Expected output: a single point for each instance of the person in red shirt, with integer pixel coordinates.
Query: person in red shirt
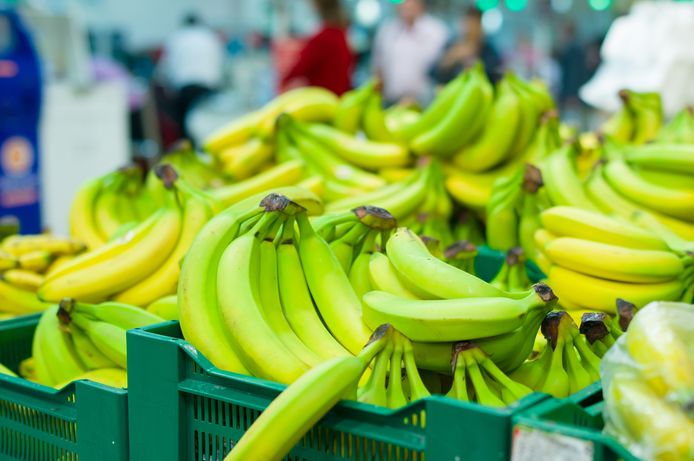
(326, 59)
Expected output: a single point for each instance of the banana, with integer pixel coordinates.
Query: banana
(23, 279)
(19, 245)
(614, 262)
(647, 112)
(459, 386)
(374, 120)
(417, 388)
(196, 212)
(109, 339)
(561, 179)
(37, 261)
(452, 319)
(344, 247)
(237, 132)
(87, 352)
(436, 111)
(360, 152)
(106, 214)
(359, 271)
(350, 108)
(7, 261)
(395, 396)
(245, 160)
(374, 390)
(579, 378)
(297, 304)
(82, 225)
(6, 371)
(54, 351)
(113, 377)
(661, 352)
(556, 381)
(282, 175)
(483, 391)
(502, 217)
(384, 278)
(256, 343)
(445, 137)
(533, 372)
(299, 407)
(428, 277)
(584, 224)
(121, 315)
(495, 142)
(165, 307)
(269, 300)
(399, 116)
(620, 126)
(469, 189)
(601, 294)
(309, 104)
(19, 301)
(666, 178)
(118, 265)
(337, 302)
(673, 202)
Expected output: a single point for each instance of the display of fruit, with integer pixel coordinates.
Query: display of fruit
(333, 245)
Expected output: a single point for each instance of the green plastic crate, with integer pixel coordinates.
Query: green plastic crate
(183, 408)
(567, 426)
(84, 420)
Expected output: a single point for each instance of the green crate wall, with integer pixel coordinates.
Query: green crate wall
(84, 420)
(183, 408)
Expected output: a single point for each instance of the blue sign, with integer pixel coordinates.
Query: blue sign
(20, 109)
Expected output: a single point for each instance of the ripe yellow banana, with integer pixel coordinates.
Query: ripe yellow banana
(383, 277)
(601, 294)
(614, 262)
(108, 338)
(245, 160)
(82, 225)
(113, 377)
(590, 225)
(18, 301)
(99, 274)
(54, 351)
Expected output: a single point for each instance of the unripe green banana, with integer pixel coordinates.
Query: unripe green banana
(452, 319)
(351, 107)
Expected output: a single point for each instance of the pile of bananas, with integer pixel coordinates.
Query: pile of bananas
(648, 384)
(592, 260)
(75, 340)
(639, 119)
(25, 261)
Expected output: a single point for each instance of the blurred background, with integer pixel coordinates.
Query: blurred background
(88, 85)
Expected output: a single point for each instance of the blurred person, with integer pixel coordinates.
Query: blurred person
(192, 63)
(404, 51)
(471, 46)
(574, 72)
(326, 59)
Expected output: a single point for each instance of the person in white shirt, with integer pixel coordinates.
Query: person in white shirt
(405, 49)
(192, 64)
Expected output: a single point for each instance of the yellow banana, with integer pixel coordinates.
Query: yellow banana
(601, 294)
(82, 225)
(245, 160)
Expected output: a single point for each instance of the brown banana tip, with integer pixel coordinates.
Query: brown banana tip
(167, 174)
(375, 217)
(429, 241)
(550, 327)
(64, 316)
(545, 292)
(593, 329)
(67, 304)
(532, 178)
(457, 348)
(461, 246)
(549, 115)
(623, 95)
(514, 256)
(625, 311)
(379, 333)
(274, 202)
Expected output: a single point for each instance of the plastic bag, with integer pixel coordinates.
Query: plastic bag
(648, 384)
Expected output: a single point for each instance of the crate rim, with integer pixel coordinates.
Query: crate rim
(359, 407)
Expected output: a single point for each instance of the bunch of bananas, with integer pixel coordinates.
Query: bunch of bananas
(639, 119)
(565, 365)
(83, 341)
(592, 260)
(25, 260)
(245, 147)
(648, 384)
(679, 130)
(109, 206)
(142, 265)
(513, 275)
(521, 127)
